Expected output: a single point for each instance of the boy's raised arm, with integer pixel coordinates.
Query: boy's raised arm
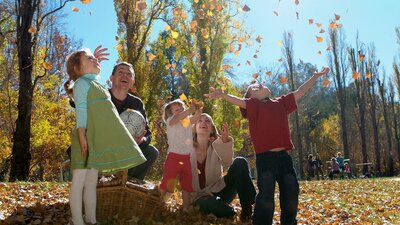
(214, 93)
(302, 90)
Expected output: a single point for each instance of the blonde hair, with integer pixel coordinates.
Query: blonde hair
(73, 64)
(167, 108)
(213, 135)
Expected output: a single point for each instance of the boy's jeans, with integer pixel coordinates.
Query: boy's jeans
(271, 167)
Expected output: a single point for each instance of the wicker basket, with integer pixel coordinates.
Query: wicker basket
(126, 200)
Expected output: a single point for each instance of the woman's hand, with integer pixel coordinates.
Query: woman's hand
(100, 53)
(224, 134)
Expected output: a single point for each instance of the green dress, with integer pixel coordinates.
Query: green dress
(111, 148)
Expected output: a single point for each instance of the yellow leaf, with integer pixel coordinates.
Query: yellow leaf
(310, 21)
(209, 13)
(47, 65)
(196, 1)
(31, 30)
(184, 70)
(319, 39)
(183, 97)
(241, 39)
(74, 9)
(168, 66)
(85, 1)
(237, 24)
(174, 34)
(185, 122)
(150, 56)
(280, 43)
(369, 74)
(204, 33)
(167, 27)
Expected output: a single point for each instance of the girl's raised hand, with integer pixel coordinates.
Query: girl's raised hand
(214, 93)
(224, 134)
(100, 53)
(324, 70)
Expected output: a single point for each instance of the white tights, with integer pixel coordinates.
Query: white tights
(84, 182)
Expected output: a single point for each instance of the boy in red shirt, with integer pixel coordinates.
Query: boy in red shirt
(270, 134)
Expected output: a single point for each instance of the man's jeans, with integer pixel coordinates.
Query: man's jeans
(238, 182)
(271, 167)
(151, 155)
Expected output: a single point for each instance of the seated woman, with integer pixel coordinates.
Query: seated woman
(214, 190)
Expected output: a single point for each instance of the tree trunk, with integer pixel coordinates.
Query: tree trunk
(21, 155)
(374, 121)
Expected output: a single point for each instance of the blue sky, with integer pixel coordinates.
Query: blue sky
(374, 21)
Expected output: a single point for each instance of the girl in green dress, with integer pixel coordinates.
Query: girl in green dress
(100, 142)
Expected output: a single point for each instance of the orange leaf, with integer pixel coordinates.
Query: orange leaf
(193, 24)
(167, 27)
(236, 53)
(31, 30)
(246, 8)
(85, 1)
(219, 8)
(268, 73)
(183, 97)
(237, 24)
(337, 17)
(369, 74)
(74, 9)
(231, 48)
(318, 25)
(276, 13)
(360, 56)
(325, 82)
(355, 75)
(241, 39)
(173, 65)
(141, 5)
(150, 56)
(310, 21)
(319, 39)
(255, 75)
(226, 67)
(168, 66)
(47, 66)
(283, 80)
(333, 25)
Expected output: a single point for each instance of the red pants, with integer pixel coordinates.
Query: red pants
(177, 165)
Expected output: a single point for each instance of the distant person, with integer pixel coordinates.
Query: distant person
(100, 142)
(318, 167)
(270, 135)
(310, 167)
(179, 121)
(340, 161)
(347, 170)
(334, 168)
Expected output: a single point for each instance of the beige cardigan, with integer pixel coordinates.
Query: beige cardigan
(219, 158)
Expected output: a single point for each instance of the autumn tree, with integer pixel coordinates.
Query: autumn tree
(30, 16)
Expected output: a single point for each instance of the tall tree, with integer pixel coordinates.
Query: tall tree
(338, 63)
(30, 16)
(288, 54)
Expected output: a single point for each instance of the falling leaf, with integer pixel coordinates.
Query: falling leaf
(168, 66)
(204, 33)
(241, 39)
(184, 70)
(355, 75)
(31, 30)
(255, 75)
(255, 56)
(196, 1)
(47, 66)
(325, 82)
(226, 66)
(329, 48)
(231, 48)
(193, 24)
(280, 60)
(248, 63)
(337, 17)
(150, 56)
(167, 27)
(310, 21)
(219, 8)
(74, 9)
(236, 53)
(237, 25)
(283, 80)
(297, 15)
(238, 65)
(119, 47)
(116, 38)
(318, 25)
(333, 25)
(85, 1)
(319, 39)
(319, 53)
(173, 65)
(280, 43)
(360, 56)
(174, 34)
(296, 2)
(322, 31)
(183, 97)
(183, 16)
(90, 13)
(246, 8)
(185, 122)
(268, 73)
(180, 163)
(276, 13)
(141, 5)
(368, 75)
(258, 39)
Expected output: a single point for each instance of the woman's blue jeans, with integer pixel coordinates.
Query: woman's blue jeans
(238, 182)
(275, 167)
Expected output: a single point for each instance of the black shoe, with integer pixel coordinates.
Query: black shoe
(247, 212)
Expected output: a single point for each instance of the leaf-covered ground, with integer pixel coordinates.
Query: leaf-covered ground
(359, 201)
